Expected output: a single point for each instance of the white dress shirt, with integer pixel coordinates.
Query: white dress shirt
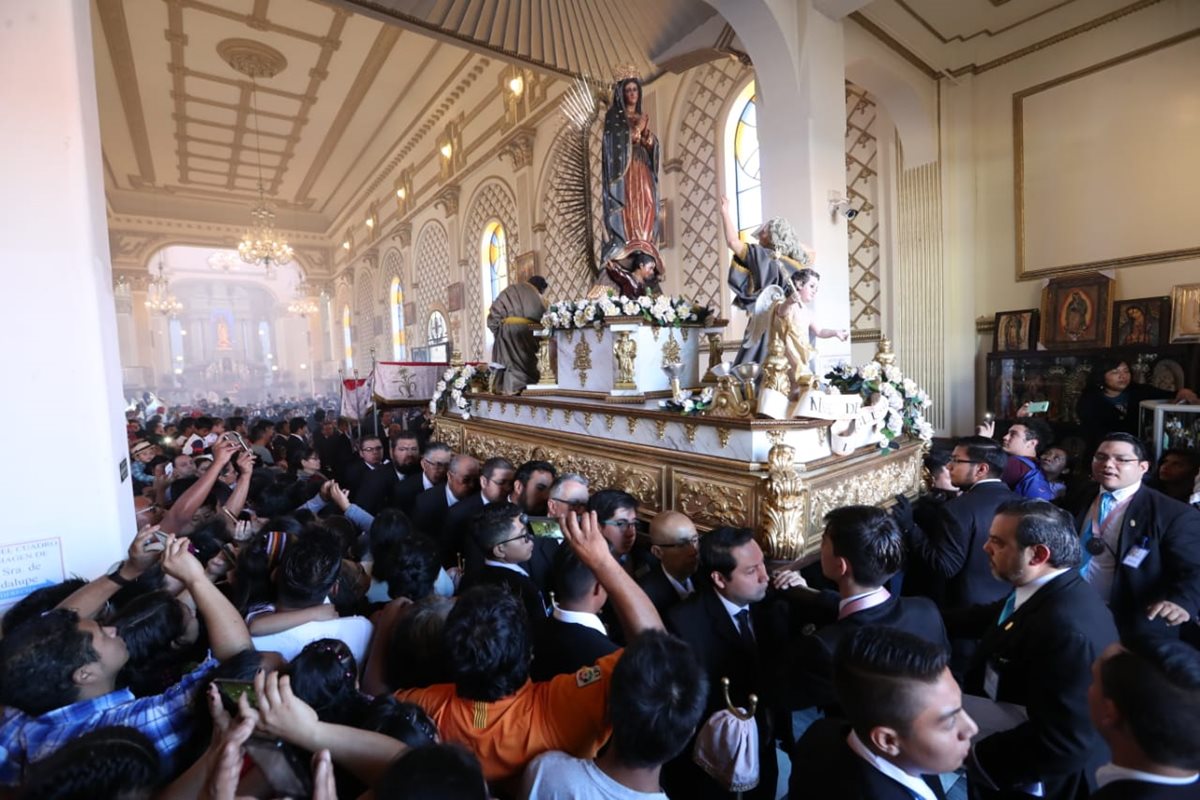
(911, 782)
(1111, 772)
(514, 567)
(1023, 593)
(684, 590)
(450, 498)
(579, 618)
(732, 609)
(1101, 569)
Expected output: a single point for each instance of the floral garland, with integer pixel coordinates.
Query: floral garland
(662, 311)
(907, 402)
(457, 380)
(689, 403)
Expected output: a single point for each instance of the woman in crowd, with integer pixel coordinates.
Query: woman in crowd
(1112, 404)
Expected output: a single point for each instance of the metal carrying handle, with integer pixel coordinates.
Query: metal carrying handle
(737, 712)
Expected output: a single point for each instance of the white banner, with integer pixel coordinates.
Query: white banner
(397, 382)
(356, 397)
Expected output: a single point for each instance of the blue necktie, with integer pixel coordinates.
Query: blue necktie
(1010, 605)
(1107, 501)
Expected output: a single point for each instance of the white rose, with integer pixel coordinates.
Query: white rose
(433, 406)
(893, 374)
(466, 415)
(645, 302)
(706, 395)
(870, 372)
(608, 308)
(459, 383)
(448, 374)
(630, 308)
(668, 315)
(909, 386)
(441, 386)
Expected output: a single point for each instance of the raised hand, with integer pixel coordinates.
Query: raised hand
(282, 714)
(584, 535)
(179, 563)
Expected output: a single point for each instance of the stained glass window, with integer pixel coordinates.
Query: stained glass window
(742, 174)
(493, 259)
(397, 302)
(346, 338)
(436, 336)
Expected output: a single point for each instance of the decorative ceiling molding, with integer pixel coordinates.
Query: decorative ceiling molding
(982, 31)
(120, 50)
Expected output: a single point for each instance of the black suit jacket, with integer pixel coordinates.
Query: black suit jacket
(812, 655)
(457, 530)
(660, 591)
(1171, 568)
(355, 476)
(564, 647)
(429, 511)
(824, 766)
(520, 585)
(378, 488)
(294, 447)
(703, 623)
(336, 452)
(1042, 656)
(953, 550)
(1139, 790)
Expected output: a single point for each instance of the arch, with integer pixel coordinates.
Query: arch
(367, 326)
(431, 271)
(761, 31)
(493, 201)
(391, 287)
(739, 154)
(915, 121)
(493, 276)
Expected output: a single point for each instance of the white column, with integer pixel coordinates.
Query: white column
(59, 322)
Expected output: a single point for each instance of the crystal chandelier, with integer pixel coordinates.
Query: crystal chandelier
(302, 305)
(261, 244)
(158, 294)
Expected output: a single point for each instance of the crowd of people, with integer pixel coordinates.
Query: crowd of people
(306, 612)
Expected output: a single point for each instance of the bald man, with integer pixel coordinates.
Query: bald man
(674, 542)
(432, 505)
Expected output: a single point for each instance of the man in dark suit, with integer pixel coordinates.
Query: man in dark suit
(495, 485)
(905, 723)
(952, 551)
(1144, 546)
(502, 535)
(734, 634)
(378, 489)
(357, 472)
(860, 550)
(676, 545)
(573, 636)
(1036, 651)
(434, 464)
(334, 447)
(432, 505)
(297, 440)
(1145, 701)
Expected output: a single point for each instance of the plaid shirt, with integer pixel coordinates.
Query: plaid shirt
(166, 718)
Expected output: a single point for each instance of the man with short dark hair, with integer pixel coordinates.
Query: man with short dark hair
(1145, 701)
(409, 473)
(734, 634)
(531, 486)
(617, 511)
(573, 636)
(495, 486)
(360, 470)
(676, 545)
(297, 441)
(307, 574)
(492, 707)
(334, 448)
(261, 433)
(1176, 474)
(906, 723)
(951, 551)
(506, 542)
(860, 550)
(1023, 442)
(59, 670)
(655, 703)
(1036, 650)
(1144, 547)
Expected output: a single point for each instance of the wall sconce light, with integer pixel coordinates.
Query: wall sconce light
(400, 193)
(446, 150)
(346, 245)
(370, 222)
(516, 85)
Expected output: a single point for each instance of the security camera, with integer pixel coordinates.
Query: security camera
(840, 205)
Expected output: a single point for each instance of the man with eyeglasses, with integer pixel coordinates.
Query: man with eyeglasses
(495, 485)
(569, 492)
(502, 533)
(617, 512)
(432, 505)
(1144, 547)
(676, 545)
(370, 451)
(409, 473)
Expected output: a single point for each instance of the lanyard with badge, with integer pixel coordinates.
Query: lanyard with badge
(1098, 543)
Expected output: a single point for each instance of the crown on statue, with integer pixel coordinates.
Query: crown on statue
(626, 71)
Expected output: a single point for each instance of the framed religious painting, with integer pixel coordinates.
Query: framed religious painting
(454, 296)
(1185, 313)
(1143, 322)
(1016, 331)
(1076, 312)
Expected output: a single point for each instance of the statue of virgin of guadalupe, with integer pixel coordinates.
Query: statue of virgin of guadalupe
(630, 189)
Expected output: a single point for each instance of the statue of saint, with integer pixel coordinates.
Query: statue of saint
(514, 315)
(630, 155)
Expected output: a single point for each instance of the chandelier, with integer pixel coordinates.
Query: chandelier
(158, 294)
(262, 245)
(302, 305)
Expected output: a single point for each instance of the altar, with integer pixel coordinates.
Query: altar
(725, 466)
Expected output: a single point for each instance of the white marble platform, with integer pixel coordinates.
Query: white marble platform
(585, 362)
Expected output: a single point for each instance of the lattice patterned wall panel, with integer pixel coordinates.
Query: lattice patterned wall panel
(494, 201)
(699, 218)
(432, 268)
(365, 318)
(862, 188)
(569, 277)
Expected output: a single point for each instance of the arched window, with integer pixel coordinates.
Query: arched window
(437, 337)
(493, 261)
(346, 342)
(742, 177)
(397, 305)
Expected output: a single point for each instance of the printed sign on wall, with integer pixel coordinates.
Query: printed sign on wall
(28, 566)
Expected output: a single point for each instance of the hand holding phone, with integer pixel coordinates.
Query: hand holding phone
(1040, 407)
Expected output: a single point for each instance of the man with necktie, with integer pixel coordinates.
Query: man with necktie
(1143, 548)
(1036, 649)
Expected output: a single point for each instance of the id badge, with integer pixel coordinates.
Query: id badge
(991, 681)
(1134, 558)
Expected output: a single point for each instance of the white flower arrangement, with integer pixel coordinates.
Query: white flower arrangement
(457, 380)
(906, 401)
(689, 403)
(662, 311)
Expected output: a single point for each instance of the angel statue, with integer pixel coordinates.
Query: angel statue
(779, 318)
